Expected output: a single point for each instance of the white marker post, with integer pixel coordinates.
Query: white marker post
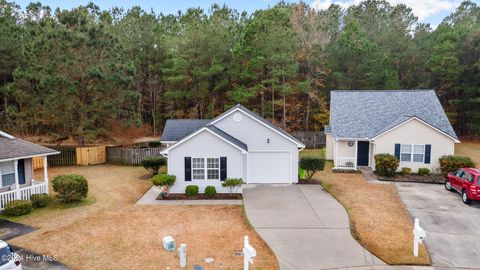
(249, 253)
(418, 236)
(182, 255)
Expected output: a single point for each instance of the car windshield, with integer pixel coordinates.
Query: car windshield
(6, 255)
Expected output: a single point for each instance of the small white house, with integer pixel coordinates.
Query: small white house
(17, 180)
(410, 124)
(235, 144)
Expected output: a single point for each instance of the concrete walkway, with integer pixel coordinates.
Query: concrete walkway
(305, 227)
(150, 198)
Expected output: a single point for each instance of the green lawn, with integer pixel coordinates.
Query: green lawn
(311, 152)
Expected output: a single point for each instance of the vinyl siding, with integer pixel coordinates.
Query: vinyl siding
(416, 132)
(329, 146)
(204, 144)
(28, 175)
(254, 134)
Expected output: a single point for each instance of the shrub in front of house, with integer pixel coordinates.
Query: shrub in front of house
(18, 208)
(232, 184)
(40, 200)
(70, 188)
(191, 190)
(406, 170)
(165, 181)
(210, 191)
(423, 171)
(451, 163)
(153, 164)
(311, 165)
(386, 164)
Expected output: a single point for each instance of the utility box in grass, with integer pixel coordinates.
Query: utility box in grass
(169, 243)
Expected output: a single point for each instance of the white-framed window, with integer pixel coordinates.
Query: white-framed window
(7, 173)
(205, 168)
(213, 168)
(412, 153)
(198, 168)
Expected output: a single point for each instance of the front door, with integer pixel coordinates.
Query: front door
(362, 153)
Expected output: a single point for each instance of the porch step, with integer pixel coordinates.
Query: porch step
(370, 177)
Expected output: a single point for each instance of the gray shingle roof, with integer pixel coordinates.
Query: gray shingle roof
(175, 129)
(228, 137)
(15, 148)
(367, 113)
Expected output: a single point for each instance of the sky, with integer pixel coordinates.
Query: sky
(428, 11)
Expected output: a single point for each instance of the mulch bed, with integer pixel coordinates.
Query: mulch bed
(415, 178)
(308, 182)
(219, 196)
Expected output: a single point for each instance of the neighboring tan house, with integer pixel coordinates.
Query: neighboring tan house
(409, 124)
(16, 169)
(235, 144)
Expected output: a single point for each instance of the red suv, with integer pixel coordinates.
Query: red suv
(466, 181)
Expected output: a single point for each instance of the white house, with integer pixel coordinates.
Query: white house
(410, 124)
(16, 169)
(235, 144)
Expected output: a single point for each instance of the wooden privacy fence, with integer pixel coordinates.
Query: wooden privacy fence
(311, 139)
(91, 155)
(37, 163)
(130, 156)
(67, 157)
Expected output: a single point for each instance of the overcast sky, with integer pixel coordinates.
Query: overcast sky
(430, 11)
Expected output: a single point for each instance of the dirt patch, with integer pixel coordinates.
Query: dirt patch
(218, 196)
(308, 182)
(378, 218)
(111, 233)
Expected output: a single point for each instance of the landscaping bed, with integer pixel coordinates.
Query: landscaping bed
(415, 178)
(218, 196)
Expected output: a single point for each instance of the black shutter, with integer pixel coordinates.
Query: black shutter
(223, 168)
(21, 171)
(188, 169)
(428, 151)
(397, 150)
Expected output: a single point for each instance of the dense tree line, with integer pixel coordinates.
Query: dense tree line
(80, 72)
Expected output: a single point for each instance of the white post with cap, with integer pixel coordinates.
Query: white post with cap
(45, 174)
(249, 253)
(418, 236)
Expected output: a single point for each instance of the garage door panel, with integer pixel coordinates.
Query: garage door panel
(269, 167)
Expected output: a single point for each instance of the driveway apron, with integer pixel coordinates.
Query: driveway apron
(453, 235)
(305, 227)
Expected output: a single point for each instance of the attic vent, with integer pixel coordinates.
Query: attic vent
(237, 117)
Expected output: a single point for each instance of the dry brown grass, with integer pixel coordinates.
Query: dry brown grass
(470, 149)
(378, 218)
(109, 232)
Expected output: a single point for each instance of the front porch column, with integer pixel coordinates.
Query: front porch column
(355, 155)
(45, 174)
(335, 153)
(17, 185)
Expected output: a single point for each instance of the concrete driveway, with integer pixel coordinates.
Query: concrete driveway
(305, 227)
(453, 235)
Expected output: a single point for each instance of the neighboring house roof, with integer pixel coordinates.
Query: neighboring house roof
(228, 137)
(12, 148)
(258, 118)
(369, 113)
(175, 129)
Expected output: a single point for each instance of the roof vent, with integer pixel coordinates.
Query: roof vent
(237, 117)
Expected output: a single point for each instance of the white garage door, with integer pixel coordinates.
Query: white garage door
(269, 167)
